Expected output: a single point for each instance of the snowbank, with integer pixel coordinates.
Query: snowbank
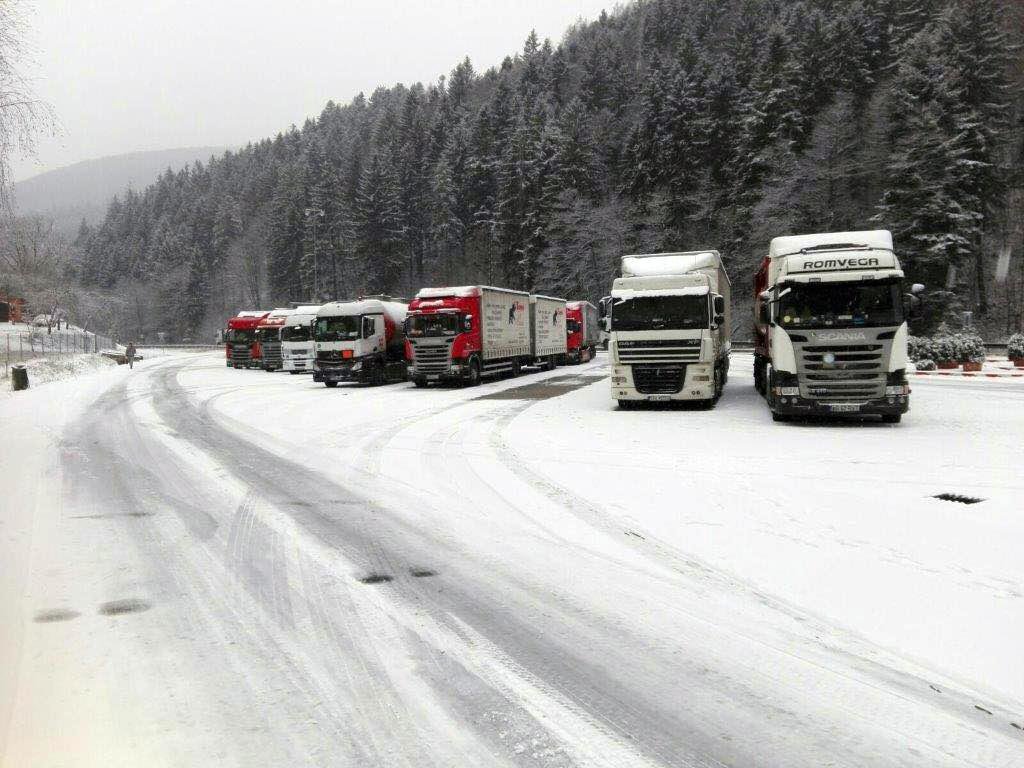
(46, 369)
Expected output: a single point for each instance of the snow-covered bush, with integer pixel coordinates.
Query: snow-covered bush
(970, 348)
(920, 348)
(945, 349)
(925, 365)
(1015, 347)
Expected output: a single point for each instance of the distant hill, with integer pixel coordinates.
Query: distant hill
(83, 190)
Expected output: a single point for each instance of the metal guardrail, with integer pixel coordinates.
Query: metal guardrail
(179, 346)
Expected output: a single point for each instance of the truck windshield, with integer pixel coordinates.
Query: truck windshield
(295, 333)
(268, 334)
(439, 324)
(344, 328)
(661, 313)
(840, 305)
(235, 336)
(572, 326)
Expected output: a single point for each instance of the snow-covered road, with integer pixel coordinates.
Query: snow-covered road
(204, 566)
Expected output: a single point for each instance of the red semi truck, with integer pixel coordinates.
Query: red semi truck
(465, 333)
(241, 348)
(581, 331)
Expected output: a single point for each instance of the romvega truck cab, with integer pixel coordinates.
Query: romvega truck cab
(581, 331)
(463, 333)
(548, 342)
(670, 329)
(241, 349)
(830, 326)
(360, 341)
(297, 340)
(268, 336)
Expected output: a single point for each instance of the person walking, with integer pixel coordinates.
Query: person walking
(129, 354)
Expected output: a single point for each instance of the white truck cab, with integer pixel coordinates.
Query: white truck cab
(297, 353)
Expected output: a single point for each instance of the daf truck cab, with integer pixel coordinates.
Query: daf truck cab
(669, 330)
(297, 340)
(830, 326)
(361, 341)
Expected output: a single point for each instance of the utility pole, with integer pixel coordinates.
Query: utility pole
(315, 214)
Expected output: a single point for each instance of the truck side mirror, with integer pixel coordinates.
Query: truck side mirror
(719, 307)
(719, 319)
(912, 306)
(368, 327)
(917, 288)
(764, 314)
(467, 323)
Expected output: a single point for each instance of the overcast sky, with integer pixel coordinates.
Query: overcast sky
(128, 75)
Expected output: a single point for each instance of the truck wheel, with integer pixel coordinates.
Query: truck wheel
(331, 384)
(780, 416)
(420, 383)
(473, 379)
(516, 368)
(293, 373)
(892, 418)
(626, 405)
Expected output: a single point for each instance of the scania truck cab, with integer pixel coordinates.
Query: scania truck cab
(297, 340)
(463, 333)
(670, 332)
(360, 341)
(241, 348)
(830, 326)
(268, 335)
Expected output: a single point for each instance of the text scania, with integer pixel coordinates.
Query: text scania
(840, 263)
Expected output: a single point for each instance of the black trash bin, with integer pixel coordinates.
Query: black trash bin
(19, 377)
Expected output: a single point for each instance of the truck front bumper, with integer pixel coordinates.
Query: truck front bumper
(338, 372)
(697, 383)
(794, 405)
(455, 372)
(297, 364)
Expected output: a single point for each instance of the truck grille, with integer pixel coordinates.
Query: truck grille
(658, 379)
(659, 351)
(240, 353)
(431, 359)
(856, 373)
(272, 354)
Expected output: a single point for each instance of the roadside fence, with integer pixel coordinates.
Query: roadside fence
(21, 346)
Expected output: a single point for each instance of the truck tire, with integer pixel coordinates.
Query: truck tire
(331, 384)
(776, 416)
(516, 369)
(293, 373)
(892, 418)
(473, 377)
(420, 383)
(626, 405)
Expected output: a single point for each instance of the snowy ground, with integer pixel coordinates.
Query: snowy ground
(207, 566)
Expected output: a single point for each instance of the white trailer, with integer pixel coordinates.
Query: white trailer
(547, 337)
(670, 328)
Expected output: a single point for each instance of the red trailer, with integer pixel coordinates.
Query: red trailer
(581, 331)
(241, 348)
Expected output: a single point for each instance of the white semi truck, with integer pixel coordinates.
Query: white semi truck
(830, 326)
(670, 328)
(297, 353)
(360, 341)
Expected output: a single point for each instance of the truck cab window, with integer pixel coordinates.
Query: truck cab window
(840, 305)
(657, 313)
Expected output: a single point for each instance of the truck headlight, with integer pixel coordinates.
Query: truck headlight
(899, 389)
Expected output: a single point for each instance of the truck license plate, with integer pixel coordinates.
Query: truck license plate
(433, 377)
(659, 398)
(844, 407)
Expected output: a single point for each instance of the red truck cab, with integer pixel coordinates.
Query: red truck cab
(241, 347)
(581, 331)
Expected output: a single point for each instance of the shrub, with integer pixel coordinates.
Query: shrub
(970, 348)
(925, 365)
(1015, 347)
(945, 349)
(920, 348)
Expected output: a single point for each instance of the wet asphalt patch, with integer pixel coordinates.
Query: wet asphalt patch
(108, 515)
(121, 607)
(542, 390)
(54, 615)
(957, 498)
(375, 578)
(422, 573)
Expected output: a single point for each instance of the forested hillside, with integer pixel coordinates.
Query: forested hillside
(669, 124)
